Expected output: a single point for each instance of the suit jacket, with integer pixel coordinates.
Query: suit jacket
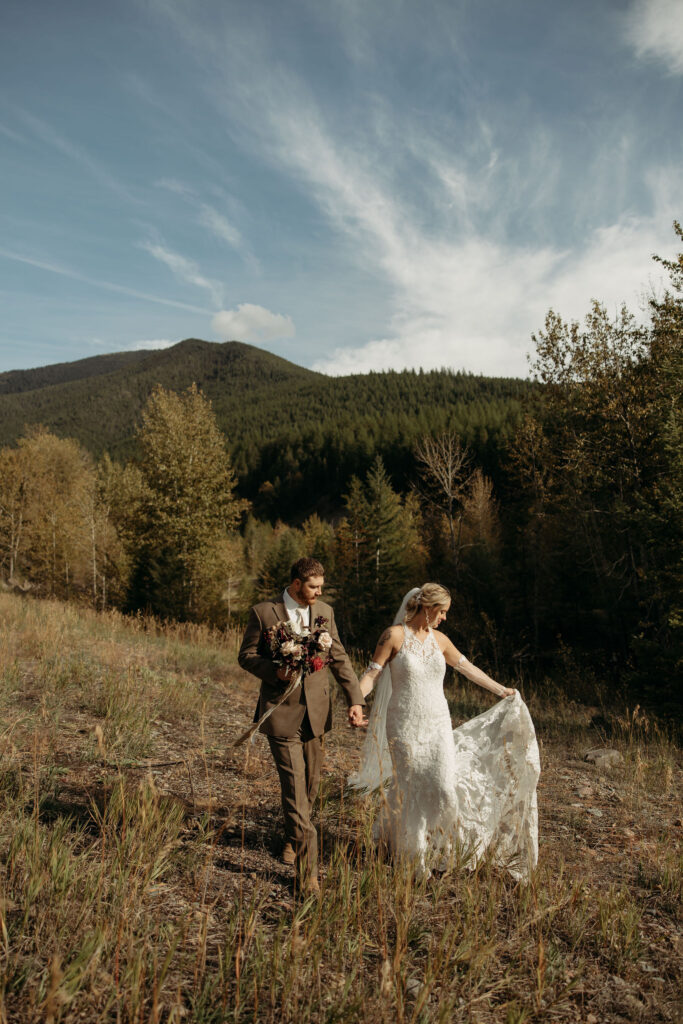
(314, 695)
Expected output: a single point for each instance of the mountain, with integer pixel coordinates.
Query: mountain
(98, 400)
(13, 382)
(291, 431)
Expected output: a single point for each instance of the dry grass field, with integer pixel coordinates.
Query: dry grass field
(139, 879)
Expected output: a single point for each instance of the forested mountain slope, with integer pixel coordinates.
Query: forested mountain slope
(102, 409)
(16, 381)
(289, 429)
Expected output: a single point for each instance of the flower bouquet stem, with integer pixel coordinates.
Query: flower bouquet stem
(255, 726)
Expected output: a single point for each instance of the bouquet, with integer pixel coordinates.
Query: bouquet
(300, 653)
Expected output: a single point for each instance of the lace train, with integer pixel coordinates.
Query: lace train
(474, 787)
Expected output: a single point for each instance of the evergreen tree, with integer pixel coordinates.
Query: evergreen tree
(189, 506)
(319, 542)
(379, 554)
(273, 576)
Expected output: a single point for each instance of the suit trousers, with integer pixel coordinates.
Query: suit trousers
(299, 761)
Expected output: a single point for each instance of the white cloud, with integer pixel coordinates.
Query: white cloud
(445, 236)
(185, 269)
(155, 343)
(252, 323)
(475, 306)
(219, 225)
(461, 298)
(654, 28)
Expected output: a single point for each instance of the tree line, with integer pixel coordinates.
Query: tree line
(558, 529)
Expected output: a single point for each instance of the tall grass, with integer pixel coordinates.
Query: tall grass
(122, 902)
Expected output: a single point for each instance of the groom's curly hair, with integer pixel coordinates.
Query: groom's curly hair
(304, 568)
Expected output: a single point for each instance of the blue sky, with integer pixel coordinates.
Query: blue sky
(353, 184)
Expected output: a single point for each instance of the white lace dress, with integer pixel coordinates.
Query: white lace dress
(474, 786)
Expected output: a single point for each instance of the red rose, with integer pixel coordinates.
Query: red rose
(317, 664)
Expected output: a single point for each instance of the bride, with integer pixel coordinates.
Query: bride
(470, 789)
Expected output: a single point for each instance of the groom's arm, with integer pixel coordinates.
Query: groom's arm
(341, 669)
(249, 658)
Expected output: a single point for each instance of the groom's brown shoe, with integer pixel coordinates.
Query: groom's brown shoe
(312, 887)
(288, 856)
(306, 887)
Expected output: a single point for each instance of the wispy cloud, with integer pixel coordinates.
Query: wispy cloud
(654, 28)
(175, 186)
(74, 275)
(208, 216)
(185, 270)
(51, 137)
(467, 291)
(252, 323)
(220, 225)
(11, 134)
(475, 306)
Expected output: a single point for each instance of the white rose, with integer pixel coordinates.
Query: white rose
(290, 647)
(324, 641)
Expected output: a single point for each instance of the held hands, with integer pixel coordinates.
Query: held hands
(356, 716)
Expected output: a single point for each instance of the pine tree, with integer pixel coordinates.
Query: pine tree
(379, 553)
(273, 576)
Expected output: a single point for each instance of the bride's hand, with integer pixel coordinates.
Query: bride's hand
(356, 716)
(507, 692)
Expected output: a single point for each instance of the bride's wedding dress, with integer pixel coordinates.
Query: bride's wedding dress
(474, 786)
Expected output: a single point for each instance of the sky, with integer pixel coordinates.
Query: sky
(354, 185)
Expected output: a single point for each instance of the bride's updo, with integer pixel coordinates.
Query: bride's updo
(430, 595)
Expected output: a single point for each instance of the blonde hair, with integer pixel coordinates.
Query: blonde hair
(430, 595)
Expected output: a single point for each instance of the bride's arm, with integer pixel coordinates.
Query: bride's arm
(459, 662)
(387, 646)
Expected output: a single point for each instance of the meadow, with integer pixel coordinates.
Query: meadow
(139, 872)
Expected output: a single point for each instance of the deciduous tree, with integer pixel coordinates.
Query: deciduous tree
(189, 508)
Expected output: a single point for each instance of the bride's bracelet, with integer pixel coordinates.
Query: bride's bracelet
(375, 666)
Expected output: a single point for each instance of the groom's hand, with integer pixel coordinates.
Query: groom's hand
(356, 716)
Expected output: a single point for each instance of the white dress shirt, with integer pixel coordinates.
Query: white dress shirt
(299, 616)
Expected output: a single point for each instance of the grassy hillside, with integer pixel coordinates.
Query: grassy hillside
(139, 878)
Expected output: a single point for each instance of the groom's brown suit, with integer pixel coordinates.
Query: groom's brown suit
(296, 728)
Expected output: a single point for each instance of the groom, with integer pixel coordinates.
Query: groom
(295, 729)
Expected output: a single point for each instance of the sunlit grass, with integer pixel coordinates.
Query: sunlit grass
(115, 906)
